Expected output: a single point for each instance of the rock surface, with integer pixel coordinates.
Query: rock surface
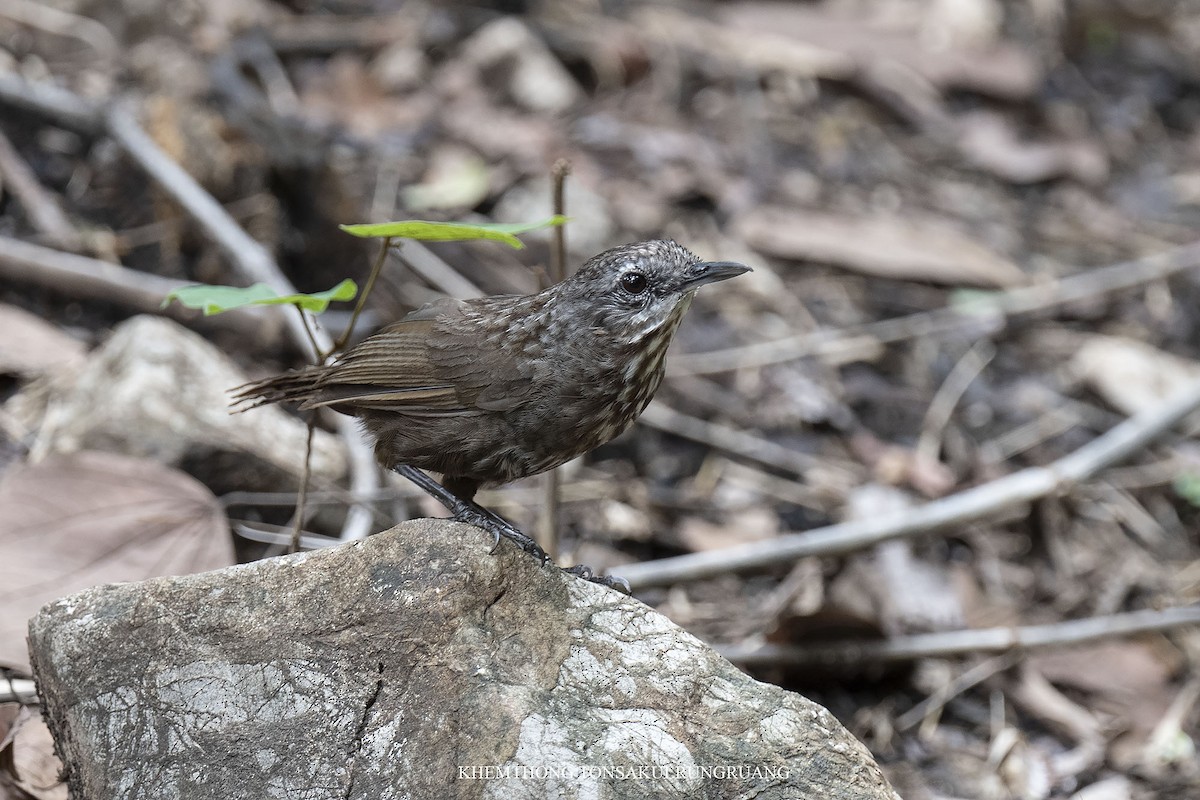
(415, 664)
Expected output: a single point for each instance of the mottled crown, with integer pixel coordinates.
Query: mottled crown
(661, 260)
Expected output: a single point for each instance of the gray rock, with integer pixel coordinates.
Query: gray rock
(165, 397)
(414, 664)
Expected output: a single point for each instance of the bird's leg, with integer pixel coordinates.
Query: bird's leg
(467, 510)
(456, 495)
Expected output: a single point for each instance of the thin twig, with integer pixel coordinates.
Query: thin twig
(312, 334)
(443, 277)
(660, 416)
(947, 644)
(935, 702)
(990, 312)
(1020, 487)
(941, 407)
(18, 690)
(254, 263)
(376, 268)
(90, 278)
(41, 207)
(558, 260)
(302, 496)
(552, 482)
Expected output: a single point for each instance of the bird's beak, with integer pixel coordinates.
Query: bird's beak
(711, 272)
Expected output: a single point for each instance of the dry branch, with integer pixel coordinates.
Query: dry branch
(254, 263)
(79, 276)
(1003, 305)
(42, 209)
(946, 644)
(1021, 487)
(249, 257)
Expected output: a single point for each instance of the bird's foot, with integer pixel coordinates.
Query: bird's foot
(500, 527)
(611, 581)
(466, 510)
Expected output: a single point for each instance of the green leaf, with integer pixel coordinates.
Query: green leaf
(215, 299)
(1187, 486)
(975, 302)
(451, 231)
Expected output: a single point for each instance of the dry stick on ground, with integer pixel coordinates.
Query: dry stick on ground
(18, 690)
(941, 408)
(935, 702)
(660, 416)
(64, 107)
(245, 254)
(79, 276)
(1086, 284)
(957, 643)
(254, 263)
(46, 18)
(42, 209)
(1020, 487)
(440, 275)
(548, 519)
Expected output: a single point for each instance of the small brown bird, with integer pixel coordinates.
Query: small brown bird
(498, 388)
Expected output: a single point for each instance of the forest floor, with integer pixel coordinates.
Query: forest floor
(972, 225)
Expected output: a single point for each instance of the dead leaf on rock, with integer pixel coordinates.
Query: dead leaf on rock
(900, 248)
(79, 520)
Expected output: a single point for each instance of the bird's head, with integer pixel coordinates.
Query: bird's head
(635, 290)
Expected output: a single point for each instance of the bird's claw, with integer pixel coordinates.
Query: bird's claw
(498, 528)
(611, 581)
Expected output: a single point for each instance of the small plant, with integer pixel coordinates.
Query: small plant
(213, 299)
(216, 299)
(1187, 486)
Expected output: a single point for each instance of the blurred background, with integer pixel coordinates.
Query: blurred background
(971, 225)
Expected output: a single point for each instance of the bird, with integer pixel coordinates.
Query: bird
(491, 389)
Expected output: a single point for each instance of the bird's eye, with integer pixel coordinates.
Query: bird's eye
(633, 282)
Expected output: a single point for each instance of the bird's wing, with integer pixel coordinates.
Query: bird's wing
(481, 356)
(430, 363)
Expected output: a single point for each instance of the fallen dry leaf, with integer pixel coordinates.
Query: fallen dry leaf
(989, 141)
(35, 769)
(1131, 375)
(901, 248)
(749, 525)
(817, 40)
(79, 520)
(1130, 681)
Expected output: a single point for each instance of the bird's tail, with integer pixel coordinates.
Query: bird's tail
(292, 387)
